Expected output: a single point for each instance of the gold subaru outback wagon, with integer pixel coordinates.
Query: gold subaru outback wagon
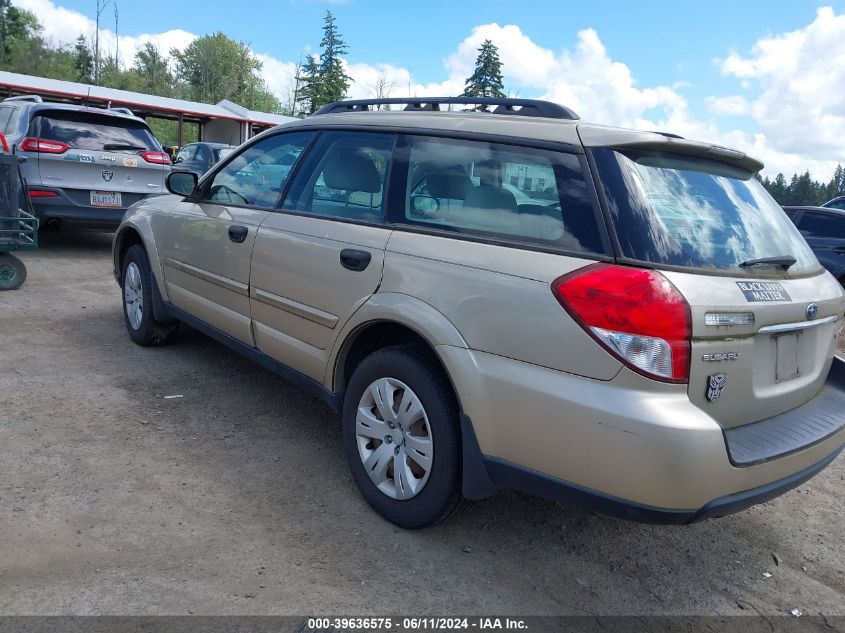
(507, 297)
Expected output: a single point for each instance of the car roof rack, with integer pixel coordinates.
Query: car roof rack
(32, 98)
(520, 107)
(121, 110)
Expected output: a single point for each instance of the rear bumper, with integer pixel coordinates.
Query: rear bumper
(509, 476)
(794, 430)
(636, 450)
(66, 209)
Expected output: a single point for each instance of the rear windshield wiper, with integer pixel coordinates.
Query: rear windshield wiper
(116, 146)
(784, 261)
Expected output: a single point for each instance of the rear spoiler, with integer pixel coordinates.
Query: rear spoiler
(603, 136)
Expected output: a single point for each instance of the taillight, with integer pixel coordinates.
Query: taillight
(635, 313)
(32, 144)
(158, 158)
(42, 193)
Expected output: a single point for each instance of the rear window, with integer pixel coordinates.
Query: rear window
(222, 152)
(824, 225)
(695, 213)
(82, 130)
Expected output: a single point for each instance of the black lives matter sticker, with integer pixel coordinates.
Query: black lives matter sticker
(763, 291)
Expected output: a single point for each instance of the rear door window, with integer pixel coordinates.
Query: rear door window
(91, 131)
(500, 191)
(696, 213)
(344, 177)
(822, 225)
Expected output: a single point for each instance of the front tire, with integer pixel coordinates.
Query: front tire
(137, 283)
(401, 435)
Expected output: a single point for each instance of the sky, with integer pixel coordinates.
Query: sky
(767, 78)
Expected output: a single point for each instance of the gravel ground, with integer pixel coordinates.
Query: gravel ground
(234, 498)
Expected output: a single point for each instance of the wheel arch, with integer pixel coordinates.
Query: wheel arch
(127, 236)
(390, 319)
(124, 239)
(137, 231)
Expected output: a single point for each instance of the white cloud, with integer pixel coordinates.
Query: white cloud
(365, 79)
(63, 26)
(800, 108)
(278, 75)
(731, 106)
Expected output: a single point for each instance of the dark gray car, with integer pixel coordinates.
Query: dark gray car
(824, 230)
(835, 203)
(84, 165)
(200, 157)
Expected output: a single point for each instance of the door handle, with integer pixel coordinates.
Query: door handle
(839, 249)
(238, 233)
(354, 259)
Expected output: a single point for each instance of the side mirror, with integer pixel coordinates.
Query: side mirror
(422, 206)
(182, 183)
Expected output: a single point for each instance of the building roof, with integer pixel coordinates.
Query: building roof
(14, 83)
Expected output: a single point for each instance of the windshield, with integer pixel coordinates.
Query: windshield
(696, 213)
(82, 130)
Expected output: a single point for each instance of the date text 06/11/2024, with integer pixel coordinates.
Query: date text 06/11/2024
(418, 623)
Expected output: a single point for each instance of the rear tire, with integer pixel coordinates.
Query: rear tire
(406, 465)
(137, 284)
(12, 272)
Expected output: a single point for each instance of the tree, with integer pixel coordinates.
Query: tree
(382, 89)
(486, 80)
(216, 67)
(309, 94)
(334, 78)
(83, 60)
(803, 190)
(19, 31)
(324, 80)
(153, 70)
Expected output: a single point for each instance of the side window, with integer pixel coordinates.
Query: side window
(345, 177)
(186, 154)
(203, 154)
(12, 125)
(822, 225)
(837, 204)
(502, 191)
(5, 115)
(257, 175)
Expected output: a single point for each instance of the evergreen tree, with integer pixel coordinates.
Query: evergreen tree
(803, 190)
(838, 182)
(83, 60)
(324, 80)
(309, 94)
(486, 81)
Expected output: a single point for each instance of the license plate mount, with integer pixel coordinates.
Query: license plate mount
(111, 199)
(787, 364)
